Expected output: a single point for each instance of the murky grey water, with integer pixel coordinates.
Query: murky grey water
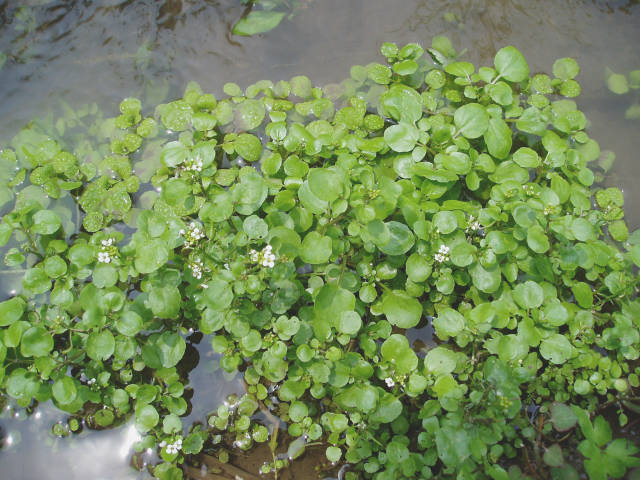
(105, 50)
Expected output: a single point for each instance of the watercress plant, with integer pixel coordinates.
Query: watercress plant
(304, 232)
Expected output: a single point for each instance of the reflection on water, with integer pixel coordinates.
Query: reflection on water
(84, 52)
(36, 453)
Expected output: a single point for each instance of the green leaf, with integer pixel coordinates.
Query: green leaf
(562, 417)
(248, 147)
(151, 256)
(165, 301)
(255, 227)
(401, 239)
(498, 138)
(259, 21)
(250, 114)
(553, 456)
(401, 137)
(36, 342)
(129, 323)
(537, 239)
(315, 249)
(528, 294)
(566, 68)
(511, 64)
(349, 323)
(100, 345)
(397, 351)
(173, 154)
(46, 222)
(472, 120)
(333, 454)
(172, 347)
(11, 310)
(64, 390)
(146, 418)
(583, 294)
(448, 323)
(440, 361)
(486, 279)
(325, 184)
(526, 158)
(400, 309)
(445, 221)
(617, 83)
(556, 349)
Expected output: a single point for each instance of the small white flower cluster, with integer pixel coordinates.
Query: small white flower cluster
(474, 225)
(530, 190)
(172, 448)
(194, 164)
(108, 251)
(91, 381)
(196, 268)
(265, 257)
(389, 381)
(443, 254)
(194, 233)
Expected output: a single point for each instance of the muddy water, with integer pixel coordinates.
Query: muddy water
(102, 51)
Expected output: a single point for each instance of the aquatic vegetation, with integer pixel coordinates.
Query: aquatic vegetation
(621, 84)
(265, 15)
(304, 231)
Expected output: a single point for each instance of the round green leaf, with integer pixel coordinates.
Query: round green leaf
(526, 157)
(566, 68)
(36, 342)
(448, 323)
(528, 294)
(401, 137)
(556, 349)
(397, 351)
(498, 138)
(315, 248)
(248, 147)
(64, 390)
(349, 323)
(129, 323)
(255, 227)
(46, 222)
(146, 418)
(325, 184)
(11, 310)
(401, 239)
(172, 347)
(401, 309)
(511, 64)
(537, 239)
(445, 221)
(472, 120)
(100, 345)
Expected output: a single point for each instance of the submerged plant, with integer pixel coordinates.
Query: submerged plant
(418, 192)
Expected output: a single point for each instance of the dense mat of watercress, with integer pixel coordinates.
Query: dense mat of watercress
(422, 190)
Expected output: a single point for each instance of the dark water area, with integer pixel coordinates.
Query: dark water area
(102, 51)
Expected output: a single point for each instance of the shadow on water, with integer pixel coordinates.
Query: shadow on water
(85, 52)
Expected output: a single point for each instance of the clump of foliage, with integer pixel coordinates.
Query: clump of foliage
(621, 84)
(264, 15)
(421, 192)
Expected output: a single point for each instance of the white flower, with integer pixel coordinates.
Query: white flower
(91, 381)
(104, 257)
(194, 233)
(264, 258)
(389, 381)
(196, 268)
(443, 254)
